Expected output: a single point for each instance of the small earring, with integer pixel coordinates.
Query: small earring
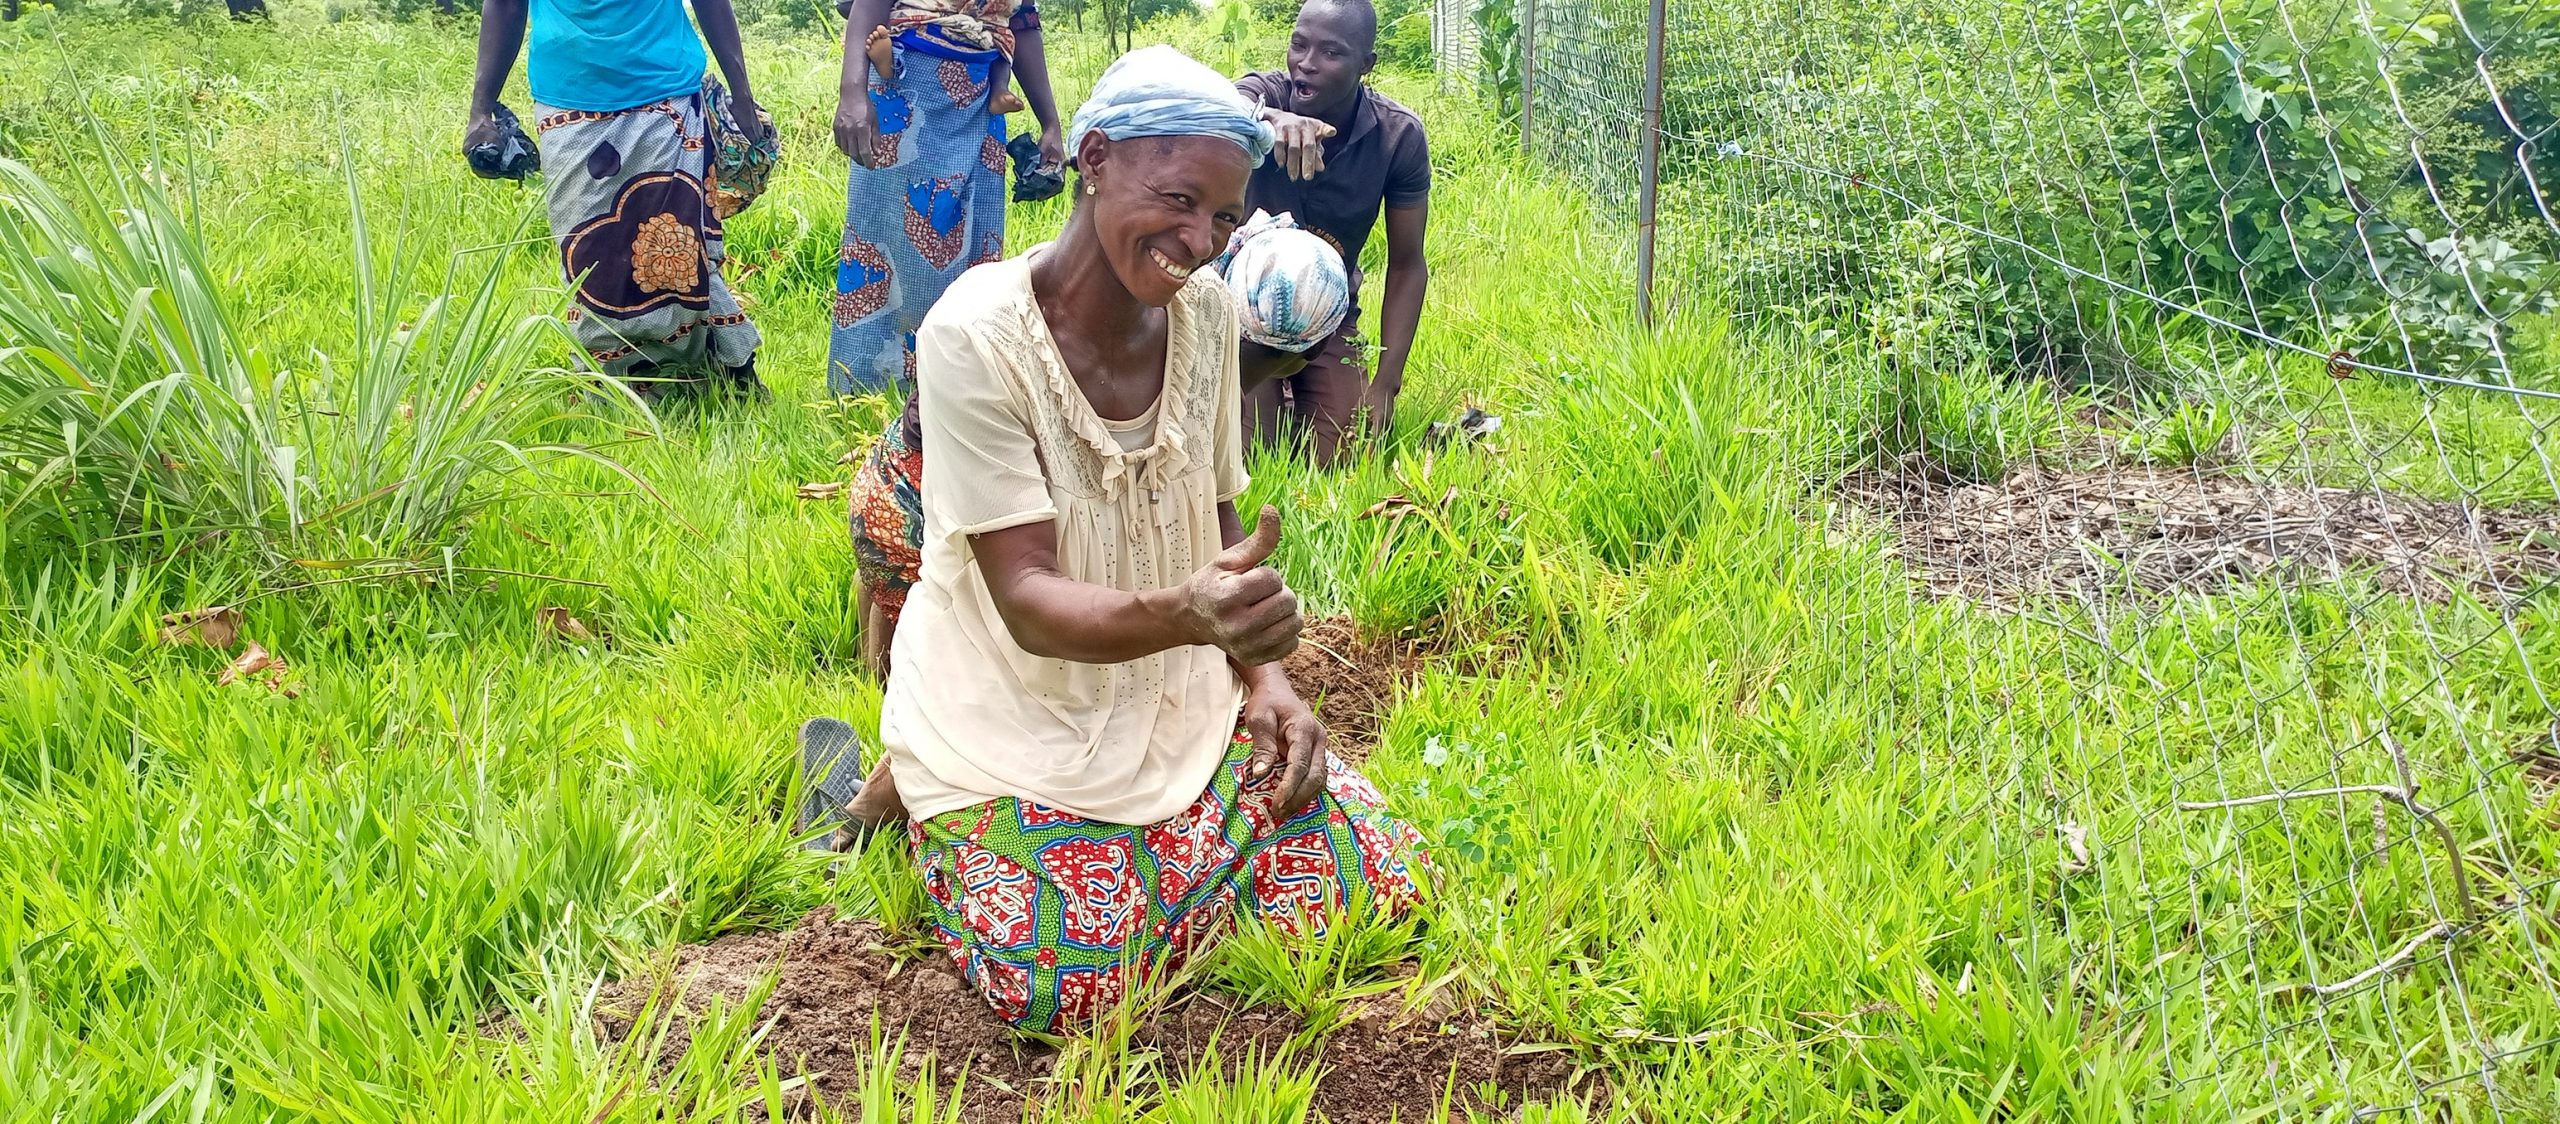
(1088, 189)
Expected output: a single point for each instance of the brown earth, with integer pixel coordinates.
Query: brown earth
(2042, 532)
(1351, 681)
(836, 976)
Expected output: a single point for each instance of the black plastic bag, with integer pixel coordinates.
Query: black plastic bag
(510, 157)
(1031, 181)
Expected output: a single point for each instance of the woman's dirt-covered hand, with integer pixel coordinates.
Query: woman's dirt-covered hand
(857, 127)
(1242, 606)
(1053, 148)
(1288, 737)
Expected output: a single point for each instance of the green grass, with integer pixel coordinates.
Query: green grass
(1720, 806)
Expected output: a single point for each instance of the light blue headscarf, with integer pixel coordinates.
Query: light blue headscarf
(1289, 286)
(1161, 92)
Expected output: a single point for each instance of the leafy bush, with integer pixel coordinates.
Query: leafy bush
(134, 403)
(1406, 43)
(2195, 431)
(1498, 56)
(2334, 173)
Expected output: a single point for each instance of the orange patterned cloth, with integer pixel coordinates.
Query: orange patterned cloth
(887, 513)
(979, 24)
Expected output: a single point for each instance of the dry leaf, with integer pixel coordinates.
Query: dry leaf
(851, 456)
(252, 660)
(2076, 838)
(822, 490)
(1392, 505)
(259, 666)
(216, 627)
(558, 622)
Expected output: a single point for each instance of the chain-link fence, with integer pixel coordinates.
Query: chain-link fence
(1453, 40)
(2210, 344)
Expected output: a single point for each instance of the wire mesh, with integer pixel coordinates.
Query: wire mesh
(2201, 356)
(1453, 42)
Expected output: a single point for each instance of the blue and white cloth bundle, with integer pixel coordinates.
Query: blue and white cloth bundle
(1290, 287)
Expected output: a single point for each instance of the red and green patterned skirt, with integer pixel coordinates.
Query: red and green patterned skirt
(1053, 917)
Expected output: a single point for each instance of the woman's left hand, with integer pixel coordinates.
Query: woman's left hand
(751, 123)
(1286, 736)
(1053, 148)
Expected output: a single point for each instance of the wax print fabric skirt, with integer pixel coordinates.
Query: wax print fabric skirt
(932, 208)
(887, 514)
(1054, 918)
(629, 209)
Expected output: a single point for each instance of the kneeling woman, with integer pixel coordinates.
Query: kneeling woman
(1102, 762)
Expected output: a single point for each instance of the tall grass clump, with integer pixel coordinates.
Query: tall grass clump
(137, 403)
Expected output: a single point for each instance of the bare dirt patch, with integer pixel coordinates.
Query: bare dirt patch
(835, 976)
(1352, 681)
(2041, 532)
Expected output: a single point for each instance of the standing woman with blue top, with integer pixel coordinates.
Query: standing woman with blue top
(918, 113)
(626, 117)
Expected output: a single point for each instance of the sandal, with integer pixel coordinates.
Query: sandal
(831, 776)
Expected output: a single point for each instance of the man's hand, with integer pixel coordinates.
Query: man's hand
(1286, 736)
(479, 129)
(1241, 605)
(857, 129)
(1300, 149)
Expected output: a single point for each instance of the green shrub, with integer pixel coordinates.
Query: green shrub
(1406, 43)
(1969, 425)
(1498, 56)
(2333, 173)
(136, 403)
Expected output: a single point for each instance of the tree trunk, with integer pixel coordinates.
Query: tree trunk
(8, 9)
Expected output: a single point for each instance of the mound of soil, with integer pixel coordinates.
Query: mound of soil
(836, 976)
(1352, 682)
(2040, 532)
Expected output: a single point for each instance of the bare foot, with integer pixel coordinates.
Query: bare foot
(1005, 101)
(878, 804)
(883, 58)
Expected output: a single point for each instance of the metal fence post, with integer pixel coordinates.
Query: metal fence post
(1655, 32)
(1528, 31)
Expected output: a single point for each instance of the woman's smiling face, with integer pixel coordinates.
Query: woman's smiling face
(1163, 206)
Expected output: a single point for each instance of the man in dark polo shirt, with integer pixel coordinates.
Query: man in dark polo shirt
(1346, 153)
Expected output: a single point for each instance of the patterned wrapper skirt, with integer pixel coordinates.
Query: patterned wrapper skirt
(887, 513)
(1053, 918)
(933, 208)
(628, 207)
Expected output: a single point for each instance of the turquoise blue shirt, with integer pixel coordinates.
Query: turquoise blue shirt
(604, 56)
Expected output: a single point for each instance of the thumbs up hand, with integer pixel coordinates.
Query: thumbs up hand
(1242, 606)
